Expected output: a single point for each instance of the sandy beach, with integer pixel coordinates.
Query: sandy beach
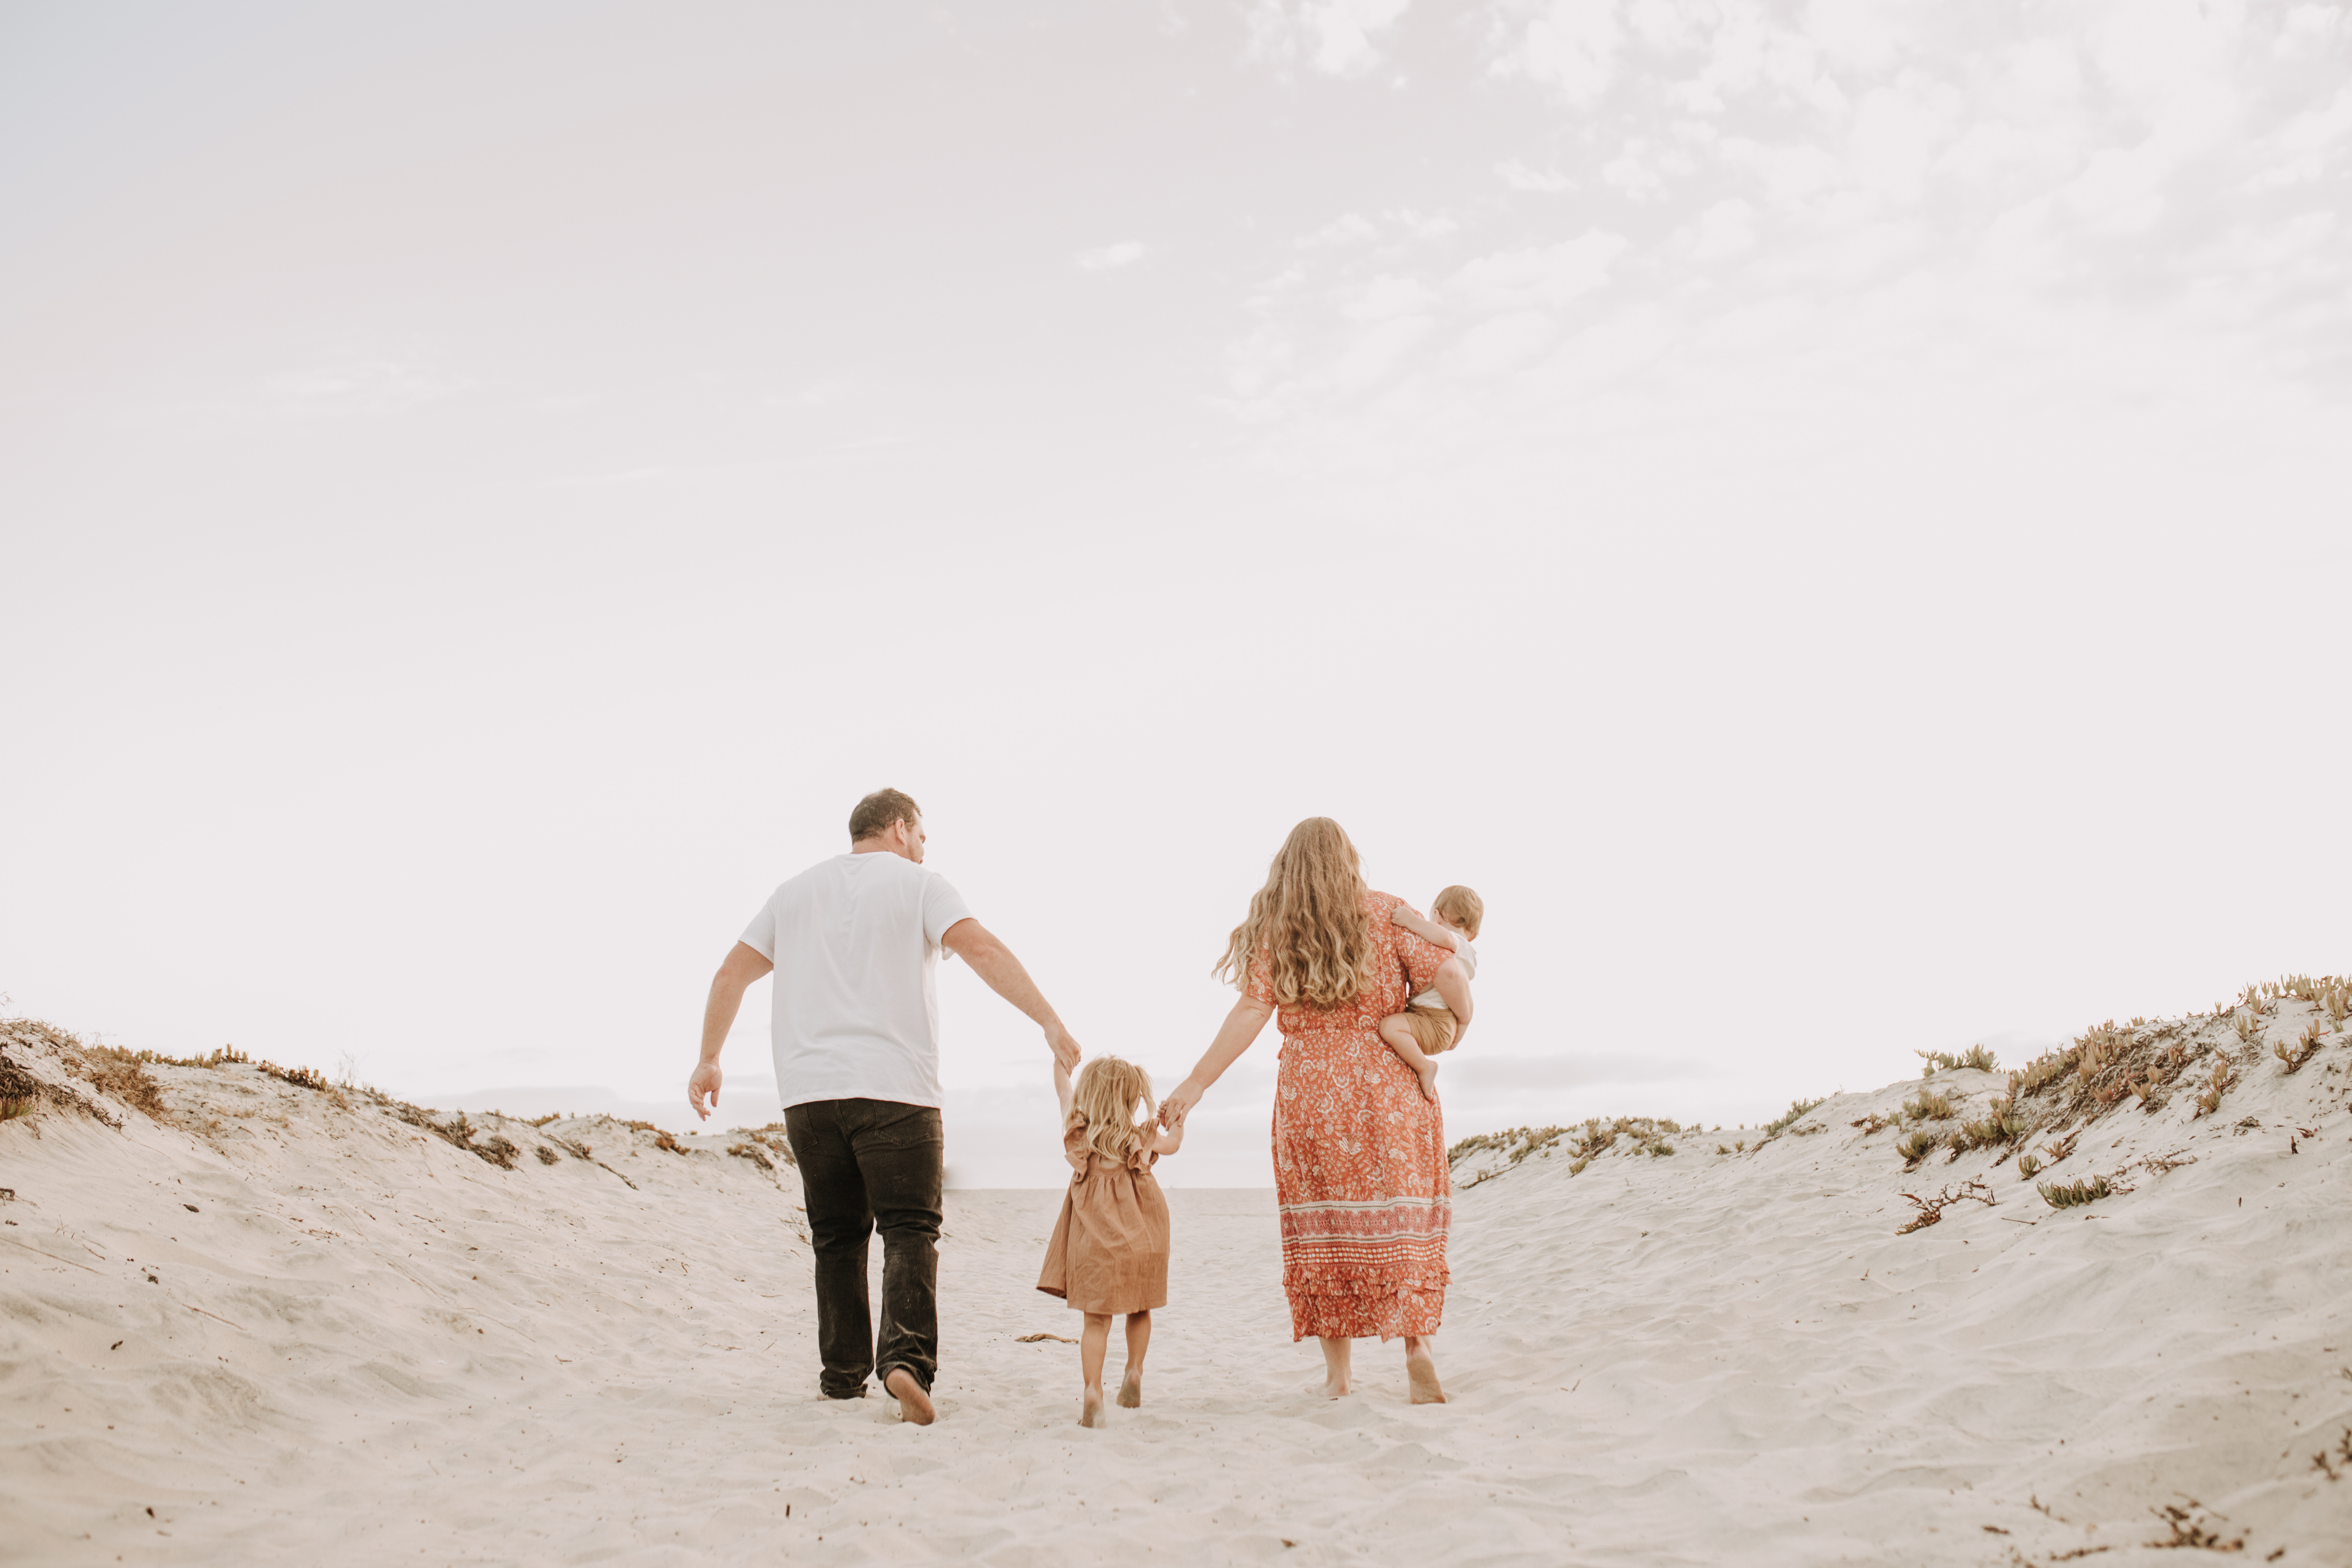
(267, 1321)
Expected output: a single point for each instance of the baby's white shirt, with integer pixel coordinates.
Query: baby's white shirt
(1468, 954)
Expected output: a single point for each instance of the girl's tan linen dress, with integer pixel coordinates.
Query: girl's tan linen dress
(1109, 1250)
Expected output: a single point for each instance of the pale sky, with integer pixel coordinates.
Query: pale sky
(1833, 517)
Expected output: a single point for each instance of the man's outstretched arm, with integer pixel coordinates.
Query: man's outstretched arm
(743, 965)
(994, 961)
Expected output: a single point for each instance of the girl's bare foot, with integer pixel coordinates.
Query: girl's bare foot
(1428, 1071)
(1130, 1391)
(1090, 1409)
(1421, 1370)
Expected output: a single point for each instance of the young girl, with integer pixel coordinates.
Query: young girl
(1109, 1251)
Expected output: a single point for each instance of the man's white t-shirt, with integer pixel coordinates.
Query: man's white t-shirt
(855, 941)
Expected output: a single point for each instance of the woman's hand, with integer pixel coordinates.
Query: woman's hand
(1233, 1036)
(1180, 1102)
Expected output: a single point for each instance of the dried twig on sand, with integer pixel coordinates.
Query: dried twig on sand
(1931, 1210)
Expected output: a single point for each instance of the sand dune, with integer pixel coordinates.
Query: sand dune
(274, 1322)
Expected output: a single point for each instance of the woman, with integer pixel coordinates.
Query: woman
(1358, 1152)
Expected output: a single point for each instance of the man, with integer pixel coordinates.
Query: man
(854, 942)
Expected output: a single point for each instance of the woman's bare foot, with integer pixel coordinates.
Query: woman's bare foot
(914, 1404)
(1337, 1356)
(1428, 1071)
(1130, 1391)
(1421, 1370)
(1090, 1408)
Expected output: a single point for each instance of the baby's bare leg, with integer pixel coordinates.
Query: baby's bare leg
(1094, 1340)
(1139, 1340)
(1396, 1033)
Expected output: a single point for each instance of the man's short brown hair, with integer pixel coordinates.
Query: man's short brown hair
(1460, 907)
(877, 811)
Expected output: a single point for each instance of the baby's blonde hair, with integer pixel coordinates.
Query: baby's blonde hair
(1103, 1101)
(1460, 907)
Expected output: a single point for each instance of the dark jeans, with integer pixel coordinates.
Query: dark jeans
(865, 1163)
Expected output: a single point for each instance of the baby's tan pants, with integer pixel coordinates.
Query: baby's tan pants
(1432, 1028)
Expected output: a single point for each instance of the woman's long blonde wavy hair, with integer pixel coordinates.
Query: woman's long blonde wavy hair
(1103, 1101)
(1309, 920)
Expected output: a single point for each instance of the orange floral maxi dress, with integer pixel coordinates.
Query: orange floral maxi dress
(1360, 1166)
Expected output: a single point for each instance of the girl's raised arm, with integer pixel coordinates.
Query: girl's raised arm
(1062, 1089)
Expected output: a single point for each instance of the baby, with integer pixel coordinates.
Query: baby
(1427, 1026)
(1109, 1250)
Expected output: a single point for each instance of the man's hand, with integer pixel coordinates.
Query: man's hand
(704, 1082)
(994, 964)
(1064, 1048)
(742, 965)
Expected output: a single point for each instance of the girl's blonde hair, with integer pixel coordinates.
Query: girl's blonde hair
(1103, 1101)
(1309, 920)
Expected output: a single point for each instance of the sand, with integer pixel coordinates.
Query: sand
(271, 1328)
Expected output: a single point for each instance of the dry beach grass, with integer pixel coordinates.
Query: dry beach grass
(250, 1315)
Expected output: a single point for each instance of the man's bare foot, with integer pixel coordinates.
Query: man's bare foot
(1130, 1391)
(1428, 1071)
(1090, 1408)
(914, 1404)
(1421, 1370)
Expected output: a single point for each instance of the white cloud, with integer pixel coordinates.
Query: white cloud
(1385, 297)
(1856, 35)
(1569, 47)
(1104, 257)
(1643, 169)
(1897, 132)
(1550, 275)
(359, 386)
(1778, 153)
(1669, 23)
(1420, 225)
(1354, 228)
(1725, 229)
(1522, 177)
(1334, 36)
(2305, 146)
(2310, 27)
(1793, 172)
(1501, 341)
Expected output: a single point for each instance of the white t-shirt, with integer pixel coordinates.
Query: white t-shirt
(1469, 957)
(856, 943)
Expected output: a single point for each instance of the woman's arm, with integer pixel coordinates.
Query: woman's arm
(1233, 1036)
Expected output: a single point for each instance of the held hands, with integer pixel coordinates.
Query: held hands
(1179, 1104)
(1065, 1048)
(705, 1080)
